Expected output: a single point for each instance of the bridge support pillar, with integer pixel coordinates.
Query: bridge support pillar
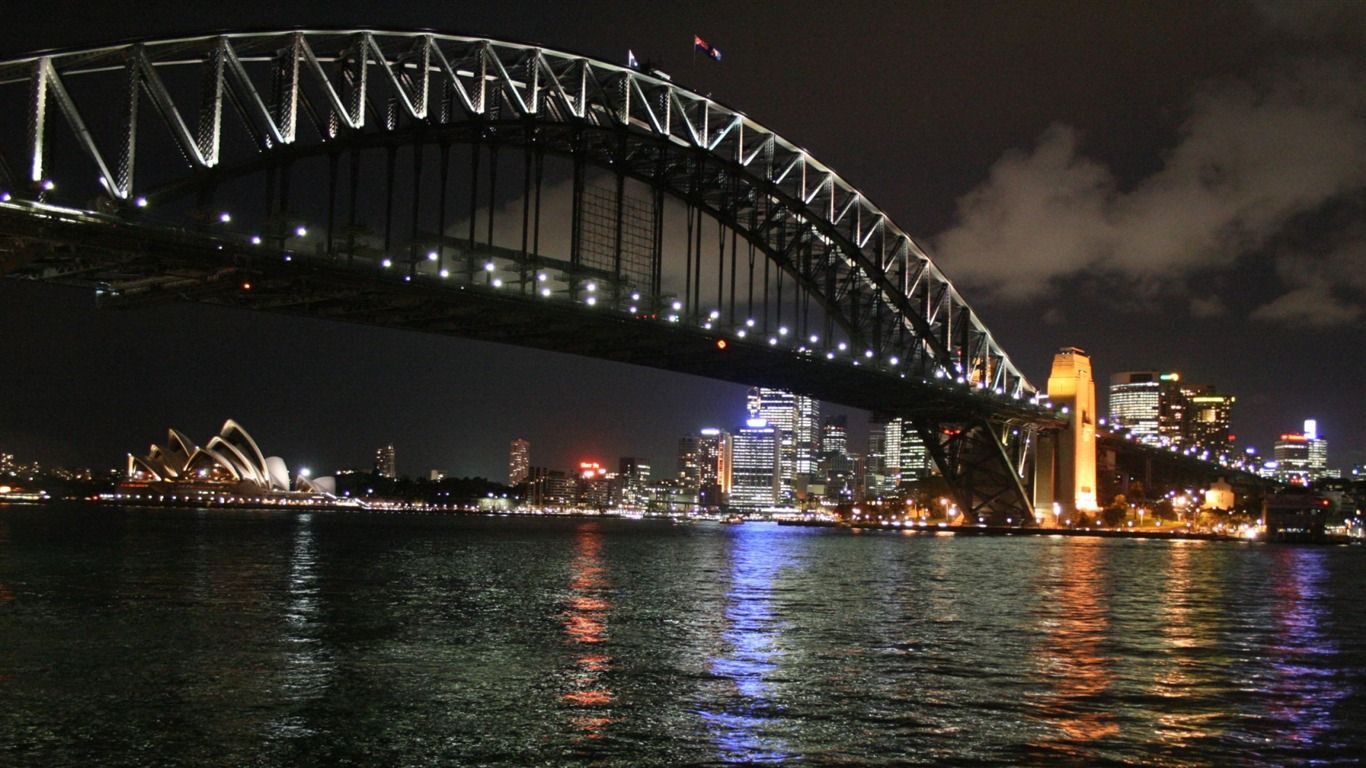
(1070, 385)
(1046, 477)
(972, 458)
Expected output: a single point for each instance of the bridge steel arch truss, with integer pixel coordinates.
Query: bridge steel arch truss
(298, 94)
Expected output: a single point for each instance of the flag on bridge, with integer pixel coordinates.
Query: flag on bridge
(631, 59)
(698, 44)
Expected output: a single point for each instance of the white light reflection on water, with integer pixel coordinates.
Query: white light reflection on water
(742, 727)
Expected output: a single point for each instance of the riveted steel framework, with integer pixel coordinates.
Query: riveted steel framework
(859, 291)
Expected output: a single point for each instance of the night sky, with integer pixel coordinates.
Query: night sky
(1166, 185)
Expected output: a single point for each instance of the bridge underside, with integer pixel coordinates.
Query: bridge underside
(131, 266)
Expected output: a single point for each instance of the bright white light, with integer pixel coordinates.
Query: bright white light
(843, 346)
(678, 305)
(541, 277)
(305, 472)
(782, 331)
(591, 287)
(445, 273)
(497, 282)
(707, 325)
(714, 314)
(740, 333)
(225, 217)
(387, 263)
(301, 231)
(632, 309)
(815, 338)
(749, 322)
(49, 185)
(773, 341)
(894, 361)
(591, 300)
(829, 355)
(255, 239)
(431, 256)
(6, 197)
(868, 353)
(288, 257)
(489, 266)
(545, 292)
(635, 297)
(141, 202)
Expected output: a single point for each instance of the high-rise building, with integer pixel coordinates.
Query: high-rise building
(1318, 450)
(1146, 403)
(1207, 419)
(519, 462)
(835, 435)
(797, 421)
(756, 478)
(633, 483)
(704, 464)
(386, 461)
(1292, 458)
(916, 462)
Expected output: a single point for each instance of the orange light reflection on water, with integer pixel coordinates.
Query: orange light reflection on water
(1072, 658)
(585, 624)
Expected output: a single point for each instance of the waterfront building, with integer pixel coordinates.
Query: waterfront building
(386, 461)
(519, 462)
(705, 465)
(796, 419)
(230, 463)
(632, 489)
(756, 474)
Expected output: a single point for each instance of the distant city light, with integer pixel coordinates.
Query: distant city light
(489, 266)
(225, 217)
(387, 263)
(255, 239)
(301, 231)
(445, 273)
(678, 305)
(591, 287)
(49, 185)
(141, 202)
(497, 282)
(591, 300)
(431, 256)
(843, 346)
(545, 292)
(720, 343)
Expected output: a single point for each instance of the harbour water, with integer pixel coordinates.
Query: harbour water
(229, 637)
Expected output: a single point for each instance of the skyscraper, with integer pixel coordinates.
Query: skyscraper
(796, 419)
(1207, 419)
(755, 471)
(386, 461)
(519, 462)
(704, 464)
(1146, 404)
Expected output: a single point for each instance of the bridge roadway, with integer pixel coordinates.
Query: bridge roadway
(130, 264)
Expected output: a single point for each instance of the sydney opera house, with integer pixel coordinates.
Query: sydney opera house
(228, 468)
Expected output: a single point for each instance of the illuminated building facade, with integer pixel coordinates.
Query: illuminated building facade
(756, 480)
(704, 464)
(386, 461)
(1074, 474)
(797, 421)
(231, 462)
(1145, 404)
(519, 462)
(1302, 457)
(1207, 419)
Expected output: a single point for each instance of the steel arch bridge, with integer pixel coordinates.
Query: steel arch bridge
(353, 174)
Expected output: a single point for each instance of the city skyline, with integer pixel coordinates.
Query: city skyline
(1288, 303)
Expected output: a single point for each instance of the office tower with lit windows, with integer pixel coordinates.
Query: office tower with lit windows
(704, 465)
(835, 436)
(797, 421)
(1291, 453)
(386, 461)
(756, 480)
(1142, 403)
(519, 462)
(1207, 419)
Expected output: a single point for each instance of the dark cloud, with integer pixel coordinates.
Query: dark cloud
(1249, 159)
